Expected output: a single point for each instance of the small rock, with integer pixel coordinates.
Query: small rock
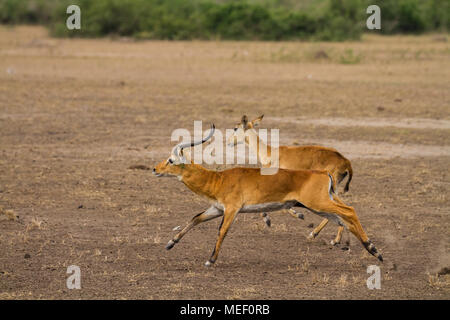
(321, 54)
(444, 271)
(27, 256)
(380, 108)
(80, 206)
(311, 225)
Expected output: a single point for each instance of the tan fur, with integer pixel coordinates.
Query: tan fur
(299, 158)
(238, 187)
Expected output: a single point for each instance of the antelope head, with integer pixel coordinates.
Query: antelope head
(176, 163)
(241, 128)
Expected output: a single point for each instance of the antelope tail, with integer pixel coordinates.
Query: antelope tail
(332, 188)
(350, 175)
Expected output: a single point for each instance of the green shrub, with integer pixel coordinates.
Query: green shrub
(436, 14)
(410, 18)
(27, 11)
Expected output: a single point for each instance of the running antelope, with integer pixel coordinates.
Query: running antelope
(296, 158)
(245, 190)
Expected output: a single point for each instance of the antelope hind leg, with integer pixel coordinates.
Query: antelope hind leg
(292, 212)
(266, 218)
(228, 218)
(349, 216)
(338, 238)
(296, 214)
(319, 228)
(209, 214)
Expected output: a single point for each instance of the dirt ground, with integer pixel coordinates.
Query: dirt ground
(75, 115)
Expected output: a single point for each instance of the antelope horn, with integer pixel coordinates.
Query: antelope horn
(178, 148)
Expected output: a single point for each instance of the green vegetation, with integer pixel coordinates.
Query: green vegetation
(348, 57)
(335, 20)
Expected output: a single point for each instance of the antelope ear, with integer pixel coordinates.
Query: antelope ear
(186, 154)
(180, 157)
(257, 121)
(244, 122)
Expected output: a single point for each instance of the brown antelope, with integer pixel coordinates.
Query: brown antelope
(296, 158)
(242, 190)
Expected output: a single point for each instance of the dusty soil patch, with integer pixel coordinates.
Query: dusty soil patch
(371, 122)
(377, 150)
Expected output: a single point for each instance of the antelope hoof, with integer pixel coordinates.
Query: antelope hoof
(372, 250)
(300, 216)
(170, 245)
(334, 243)
(312, 235)
(267, 221)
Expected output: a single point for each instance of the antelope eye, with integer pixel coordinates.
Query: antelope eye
(170, 161)
(235, 129)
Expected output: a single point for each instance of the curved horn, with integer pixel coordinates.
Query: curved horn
(178, 148)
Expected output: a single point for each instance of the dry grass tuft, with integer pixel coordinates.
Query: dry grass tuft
(157, 239)
(280, 227)
(178, 287)
(34, 224)
(10, 214)
(305, 265)
(242, 293)
(438, 282)
(342, 281)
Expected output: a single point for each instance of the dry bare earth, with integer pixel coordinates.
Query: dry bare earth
(76, 114)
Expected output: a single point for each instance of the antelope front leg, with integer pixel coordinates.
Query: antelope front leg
(292, 212)
(209, 214)
(296, 214)
(338, 238)
(319, 228)
(228, 219)
(266, 219)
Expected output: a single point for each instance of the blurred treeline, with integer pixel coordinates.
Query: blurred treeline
(333, 20)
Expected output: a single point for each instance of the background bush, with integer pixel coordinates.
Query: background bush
(227, 19)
